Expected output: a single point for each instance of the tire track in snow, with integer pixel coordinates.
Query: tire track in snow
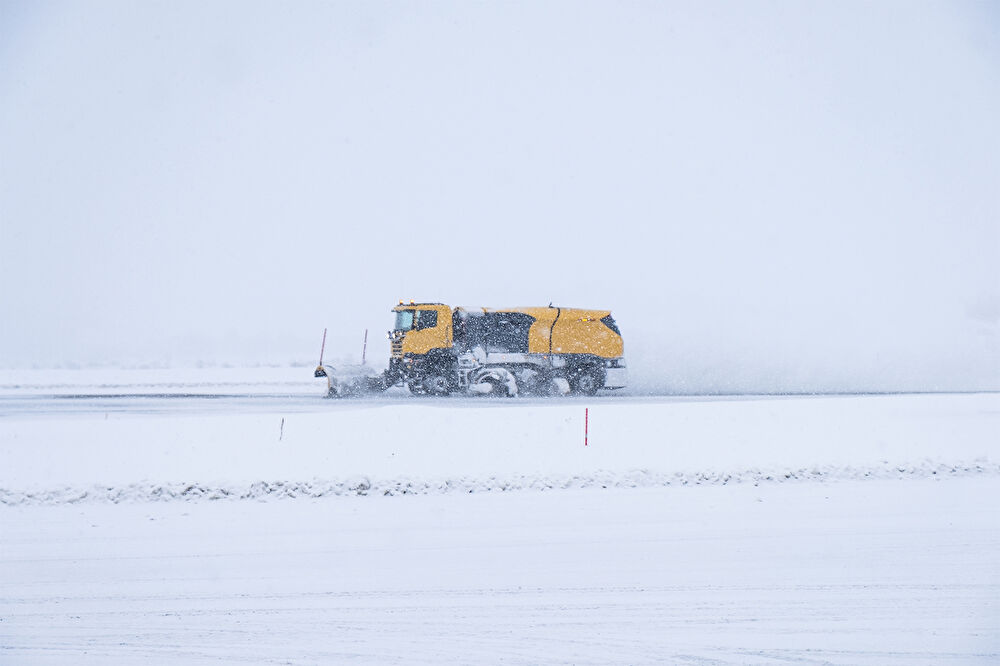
(366, 486)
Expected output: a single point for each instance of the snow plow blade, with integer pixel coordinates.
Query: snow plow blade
(351, 380)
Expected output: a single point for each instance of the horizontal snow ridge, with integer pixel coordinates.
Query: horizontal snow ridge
(365, 486)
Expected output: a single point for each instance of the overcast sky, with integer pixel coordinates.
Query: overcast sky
(768, 195)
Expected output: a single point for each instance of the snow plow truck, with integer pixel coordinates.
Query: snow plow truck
(438, 350)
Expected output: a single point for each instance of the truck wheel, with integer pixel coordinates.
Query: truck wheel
(585, 382)
(499, 388)
(436, 385)
(501, 382)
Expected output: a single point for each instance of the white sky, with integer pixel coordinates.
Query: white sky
(769, 196)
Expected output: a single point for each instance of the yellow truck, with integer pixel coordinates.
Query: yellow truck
(437, 350)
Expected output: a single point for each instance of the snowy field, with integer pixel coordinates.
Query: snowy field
(235, 516)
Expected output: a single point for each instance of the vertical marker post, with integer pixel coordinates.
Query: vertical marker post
(364, 348)
(586, 424)
(322, 348)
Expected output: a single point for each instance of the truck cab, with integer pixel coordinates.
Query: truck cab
(421, 343)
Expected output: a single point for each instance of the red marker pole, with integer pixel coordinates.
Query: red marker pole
(586, 424)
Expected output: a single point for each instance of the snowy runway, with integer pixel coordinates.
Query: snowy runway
(280, 528)
(869, 572)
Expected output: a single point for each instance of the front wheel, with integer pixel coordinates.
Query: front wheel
(436, 385)
(500, 389)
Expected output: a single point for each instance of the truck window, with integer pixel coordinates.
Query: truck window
(404, 320)
(426, 319)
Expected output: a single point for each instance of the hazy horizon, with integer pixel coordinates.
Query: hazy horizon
(768, 196)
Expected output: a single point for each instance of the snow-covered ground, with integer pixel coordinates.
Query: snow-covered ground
(231, 516)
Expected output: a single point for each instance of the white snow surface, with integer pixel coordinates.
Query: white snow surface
(215, 517)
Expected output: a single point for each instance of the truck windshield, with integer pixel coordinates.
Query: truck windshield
(404, 320)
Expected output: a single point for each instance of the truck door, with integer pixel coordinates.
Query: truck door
(429, 329)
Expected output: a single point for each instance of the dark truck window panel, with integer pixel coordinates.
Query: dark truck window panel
(507, 332)
(426, 319)
(610, 323)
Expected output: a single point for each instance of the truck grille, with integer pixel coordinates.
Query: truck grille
(397, 348)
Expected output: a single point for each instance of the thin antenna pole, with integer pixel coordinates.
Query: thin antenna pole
(322, 348)
(364, 349)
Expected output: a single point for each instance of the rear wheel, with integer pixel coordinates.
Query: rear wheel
(585, 381)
